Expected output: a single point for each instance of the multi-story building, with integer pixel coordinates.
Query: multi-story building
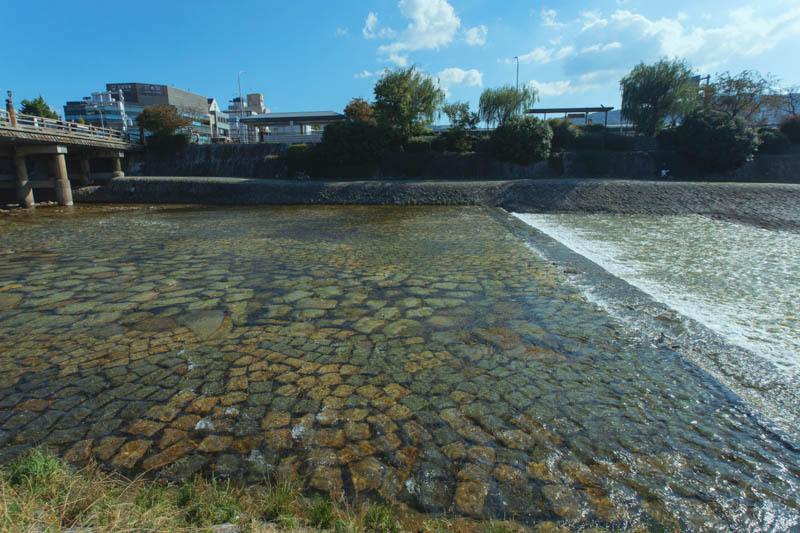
(238, 109)
(220, 127)
(119, 105)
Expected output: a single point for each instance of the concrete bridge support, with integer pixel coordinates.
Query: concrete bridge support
(85, 171)
(63, 187)
(116, 167)
(24, 187)
(58, 171)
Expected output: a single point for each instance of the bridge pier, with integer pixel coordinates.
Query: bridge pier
(63, 187)
(116, 167)
(24, 187)
(85, 171)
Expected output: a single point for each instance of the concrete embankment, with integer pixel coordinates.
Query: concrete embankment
(774, 205)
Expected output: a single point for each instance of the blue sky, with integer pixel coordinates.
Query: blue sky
(316, 54)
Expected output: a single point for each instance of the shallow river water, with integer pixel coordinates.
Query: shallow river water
(423, 356)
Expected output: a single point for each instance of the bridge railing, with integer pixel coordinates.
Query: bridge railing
(30, 123)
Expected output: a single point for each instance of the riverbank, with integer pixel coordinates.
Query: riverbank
(765, 204)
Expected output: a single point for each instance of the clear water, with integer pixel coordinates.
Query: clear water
(741, 281)
(423, 356)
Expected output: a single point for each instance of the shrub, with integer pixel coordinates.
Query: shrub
(522, 140)
(772, 141)
(667, 138)
(353, 143)
(590, 141)
(565, 134)
(300, 158)
(592, 128)
(790, 126)
(167, 143)
(714, 142)
(419, 145)
(456, 140)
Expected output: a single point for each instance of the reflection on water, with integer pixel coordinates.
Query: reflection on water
(423, 356)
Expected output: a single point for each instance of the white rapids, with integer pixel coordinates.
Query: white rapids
(740, 281)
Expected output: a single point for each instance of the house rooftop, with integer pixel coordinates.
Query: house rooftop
(301, 117)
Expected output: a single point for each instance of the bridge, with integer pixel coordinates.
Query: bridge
(23, 136)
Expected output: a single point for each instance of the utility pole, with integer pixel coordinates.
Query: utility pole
(517, 58)
(241, 105)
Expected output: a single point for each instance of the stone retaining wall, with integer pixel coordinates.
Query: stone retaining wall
(766, 204)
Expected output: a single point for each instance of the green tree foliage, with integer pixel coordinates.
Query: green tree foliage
(715, 142)
(790, 126)
(352, 143)
(522, 140)
(497, 106)
(772, 141)
(38, 108)
(359, 110)
(651, 93)
(161, 120)
(459, 115)
(565, 134)
(457, 138)
(405, 98)
(745, 95)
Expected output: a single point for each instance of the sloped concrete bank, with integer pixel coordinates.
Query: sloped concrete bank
(771, 205)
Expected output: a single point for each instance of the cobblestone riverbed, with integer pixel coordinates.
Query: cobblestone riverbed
(421, 356)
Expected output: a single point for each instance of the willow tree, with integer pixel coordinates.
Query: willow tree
(504, 103)
(651, 93)
(405, 98)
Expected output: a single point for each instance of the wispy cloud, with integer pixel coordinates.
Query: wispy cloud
(548, 17)
(476, 36)
(342, 32)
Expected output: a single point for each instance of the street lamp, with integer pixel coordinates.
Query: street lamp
(241, 104)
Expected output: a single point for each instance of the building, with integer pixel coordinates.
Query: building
(292, 128)
(119, 105)
(220, 127)
(238, 109)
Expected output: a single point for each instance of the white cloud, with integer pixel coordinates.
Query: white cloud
(371, 25)
(542, 56)
(549, 19)
(452, 76)
(342, 32)
(597, 47)
(434, 24)
(367, 74)
(745, 33)
(580, 84)
(476, 36)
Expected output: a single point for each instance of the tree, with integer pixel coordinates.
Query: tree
(502, 104)
(651, 93)
(359, 110)
(37, 107)
(161, 120)
(405, 98)
(521, 140)
(790, 100)
(745, 95)
(459, 115)
(715, 142)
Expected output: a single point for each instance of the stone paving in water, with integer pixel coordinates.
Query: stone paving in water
(418, 355)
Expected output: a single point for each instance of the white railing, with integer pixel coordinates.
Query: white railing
(33, 124)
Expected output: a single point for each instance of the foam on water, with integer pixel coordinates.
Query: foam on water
(740, 281)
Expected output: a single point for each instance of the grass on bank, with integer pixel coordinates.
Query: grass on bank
(39, 492)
